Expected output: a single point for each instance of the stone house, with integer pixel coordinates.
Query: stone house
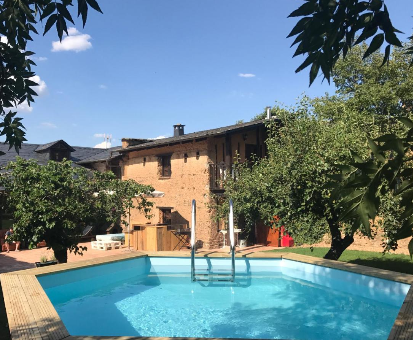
(189, 166)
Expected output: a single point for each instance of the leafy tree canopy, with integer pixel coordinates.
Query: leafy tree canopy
(55, 202)
(306, 151)
(18, 21)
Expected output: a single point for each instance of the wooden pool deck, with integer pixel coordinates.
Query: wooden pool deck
(31, 315)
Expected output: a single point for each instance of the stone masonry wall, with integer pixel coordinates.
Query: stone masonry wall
(189, 180)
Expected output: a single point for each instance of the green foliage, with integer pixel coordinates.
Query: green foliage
(329, 28)
(56, 201)
(17, 24)
(387, 174)
(291, 181)
(367, 184)
(276, 111)
(373, 90)
(315, 139)
(114, 198)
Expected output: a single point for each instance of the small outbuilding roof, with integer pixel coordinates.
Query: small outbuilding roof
(44, 147)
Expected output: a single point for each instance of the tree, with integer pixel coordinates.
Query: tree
(56, 201)
(17, 26)
(291, 182)
(328, 30)
(306, 152)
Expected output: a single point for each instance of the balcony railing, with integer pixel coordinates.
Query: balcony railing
(217, 175)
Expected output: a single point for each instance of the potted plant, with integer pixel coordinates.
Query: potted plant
(45, 262)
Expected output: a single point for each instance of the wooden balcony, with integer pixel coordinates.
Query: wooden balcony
(217, 175)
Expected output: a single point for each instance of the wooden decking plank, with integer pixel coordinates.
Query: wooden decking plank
(6, 287)
(53, 326)
(36, 307)
(21, 333)
(14, 304)
(33, 331)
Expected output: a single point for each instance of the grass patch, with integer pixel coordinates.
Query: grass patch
(396, 263)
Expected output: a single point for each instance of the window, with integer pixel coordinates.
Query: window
(165, 163)
(59, 155)
(165, 216)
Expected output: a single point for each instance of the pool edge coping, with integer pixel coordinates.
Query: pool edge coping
(32, 316)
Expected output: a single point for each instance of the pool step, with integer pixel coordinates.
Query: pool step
(213, 274)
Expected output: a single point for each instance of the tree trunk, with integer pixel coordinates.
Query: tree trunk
(60, 255)
(338, 244)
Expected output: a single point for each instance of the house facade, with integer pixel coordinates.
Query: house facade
(190, 166)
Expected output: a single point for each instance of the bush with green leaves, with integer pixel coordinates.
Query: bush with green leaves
(54, 202)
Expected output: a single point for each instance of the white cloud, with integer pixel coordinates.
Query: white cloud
(40, 89)
(246, 75)
(159, 137)
(99, 135)
(24, 107)
(75, 41)
(103, 145)
(103, 87)
(73, 31)
(48, 125)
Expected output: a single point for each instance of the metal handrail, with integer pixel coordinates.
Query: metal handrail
(232, 238)
(193, 242)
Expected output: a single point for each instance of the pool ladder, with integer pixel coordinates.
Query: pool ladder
(209, 274)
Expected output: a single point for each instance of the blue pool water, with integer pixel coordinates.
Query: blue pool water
(271, 299)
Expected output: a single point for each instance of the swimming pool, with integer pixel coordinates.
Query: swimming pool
(270, 298)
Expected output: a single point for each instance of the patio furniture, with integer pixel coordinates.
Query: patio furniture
(224, 234)
(87, 232)
(111, 237)
(183, 238)
(106, 245)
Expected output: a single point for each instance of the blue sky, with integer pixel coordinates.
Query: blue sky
(145, 65)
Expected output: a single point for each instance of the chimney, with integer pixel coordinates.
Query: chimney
(268, 112)
(178, 130)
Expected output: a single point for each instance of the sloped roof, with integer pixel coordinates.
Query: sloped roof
(196, 135)
(44, 147)
(101, 156)
(30, 151)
